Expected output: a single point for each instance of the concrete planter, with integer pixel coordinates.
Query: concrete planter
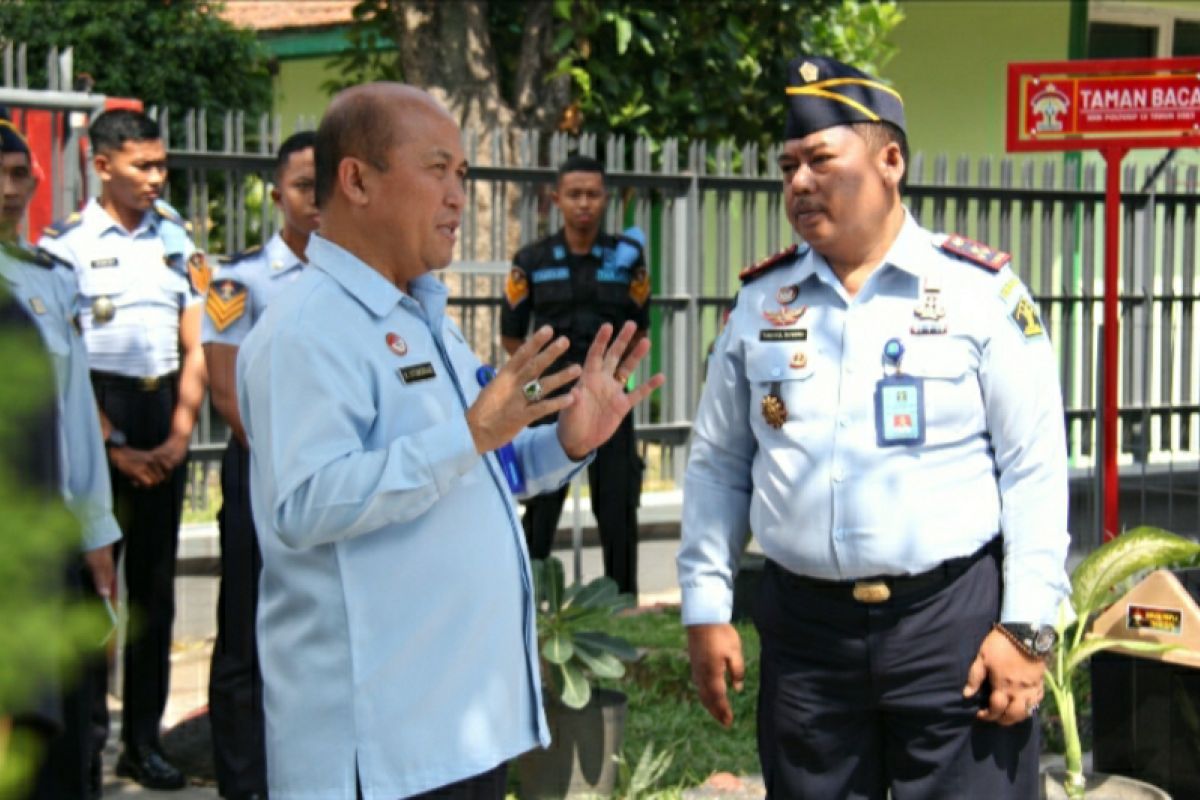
(1100, 787)
(579, 761)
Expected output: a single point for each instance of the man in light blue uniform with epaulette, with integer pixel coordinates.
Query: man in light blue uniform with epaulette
(240, 292)
(141, 283)
(396, 625)
(47, 290)
(883, 413)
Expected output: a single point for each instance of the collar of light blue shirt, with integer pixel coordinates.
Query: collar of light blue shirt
(375, 292)
(100, 221)
(277, 251)
(909, 253)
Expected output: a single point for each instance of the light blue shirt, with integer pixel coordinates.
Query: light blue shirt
(262, 275)
(142, 273)
(820, 494)
(48, 295)
(395, 621)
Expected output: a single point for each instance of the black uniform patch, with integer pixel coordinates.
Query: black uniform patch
(417, 373)
(783, 335)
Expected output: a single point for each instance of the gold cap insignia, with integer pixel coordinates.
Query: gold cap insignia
(809, 71)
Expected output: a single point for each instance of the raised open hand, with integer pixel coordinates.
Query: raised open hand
(504, 408)
(600, 400)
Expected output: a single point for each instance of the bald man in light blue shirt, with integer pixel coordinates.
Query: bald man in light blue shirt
(396, 625)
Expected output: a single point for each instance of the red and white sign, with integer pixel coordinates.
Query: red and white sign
(1083, 105)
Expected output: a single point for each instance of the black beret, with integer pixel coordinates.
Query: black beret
(11, 140)
(823, 92)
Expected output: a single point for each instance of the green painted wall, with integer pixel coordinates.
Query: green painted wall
(298, 89)
(951, 63)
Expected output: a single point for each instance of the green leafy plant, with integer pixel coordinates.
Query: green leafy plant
(1095, 583)
(638, 781)
(572, 651)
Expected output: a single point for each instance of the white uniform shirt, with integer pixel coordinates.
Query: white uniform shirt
(141, 273)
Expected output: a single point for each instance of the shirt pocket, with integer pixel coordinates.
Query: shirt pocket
(106, 282)
(953, 400)
(791, 366)
(551, 284)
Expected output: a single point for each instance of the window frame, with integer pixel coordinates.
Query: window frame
(1162, 18)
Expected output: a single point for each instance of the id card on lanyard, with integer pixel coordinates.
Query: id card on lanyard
(899, 403)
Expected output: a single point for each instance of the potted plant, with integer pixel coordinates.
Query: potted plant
(1096, 582)
(587, 724)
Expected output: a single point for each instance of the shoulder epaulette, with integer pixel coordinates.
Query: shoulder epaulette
(59, 227)
(165, 211)
(48, 260)
(979, 254)
(767, 264)
(237, 258)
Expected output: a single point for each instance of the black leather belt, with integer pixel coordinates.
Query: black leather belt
(882, 588)
(134, 384)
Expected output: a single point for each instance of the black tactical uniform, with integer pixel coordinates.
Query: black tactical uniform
(575, 295)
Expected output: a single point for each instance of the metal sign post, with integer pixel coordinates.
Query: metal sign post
(1112, 106)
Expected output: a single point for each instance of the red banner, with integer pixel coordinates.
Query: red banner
(1081, 105)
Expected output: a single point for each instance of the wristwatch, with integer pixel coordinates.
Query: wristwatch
(1035, 641)
(116, 438)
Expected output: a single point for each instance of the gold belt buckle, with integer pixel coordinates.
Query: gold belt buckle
(149, 384)
(871, 591)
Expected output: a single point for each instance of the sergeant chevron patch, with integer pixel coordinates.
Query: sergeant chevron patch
(226, 303)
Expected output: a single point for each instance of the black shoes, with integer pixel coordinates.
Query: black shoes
(149, 767)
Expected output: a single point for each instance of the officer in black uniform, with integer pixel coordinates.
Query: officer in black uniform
(575, 281)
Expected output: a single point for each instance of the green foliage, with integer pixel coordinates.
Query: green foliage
(572, 651)
(43, 633)
(664, 710)
(173, 54)
(712, 70)
(1095, 582)
(638, 781)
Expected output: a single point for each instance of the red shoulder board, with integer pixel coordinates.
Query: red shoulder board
(767, 264)
(975, 252)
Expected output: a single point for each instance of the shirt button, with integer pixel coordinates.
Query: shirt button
(776, 372)
(843, 421)
(838, 473)
(839, 535)
(848, 369)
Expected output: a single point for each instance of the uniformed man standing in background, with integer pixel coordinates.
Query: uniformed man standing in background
(141, 285)
(575, 281)
(47, 292)
(883, 413)
(239, 294)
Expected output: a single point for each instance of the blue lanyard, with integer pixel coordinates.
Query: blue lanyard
(506, 454)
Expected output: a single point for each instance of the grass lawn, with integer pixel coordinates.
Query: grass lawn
(664, 709)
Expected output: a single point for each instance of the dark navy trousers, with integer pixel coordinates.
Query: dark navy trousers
(857, 699)
(235, 687)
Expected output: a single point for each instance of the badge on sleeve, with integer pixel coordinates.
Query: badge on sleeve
(199, 271)
(639, 287)
(899, 411)
(1027, 319)
(226, 303)
(516, 288)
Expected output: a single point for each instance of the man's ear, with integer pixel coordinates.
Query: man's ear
(276, 195)
(352, 179)
(103, 166)
(891, 163)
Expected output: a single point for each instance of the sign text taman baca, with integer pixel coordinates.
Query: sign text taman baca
(1112, 106)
